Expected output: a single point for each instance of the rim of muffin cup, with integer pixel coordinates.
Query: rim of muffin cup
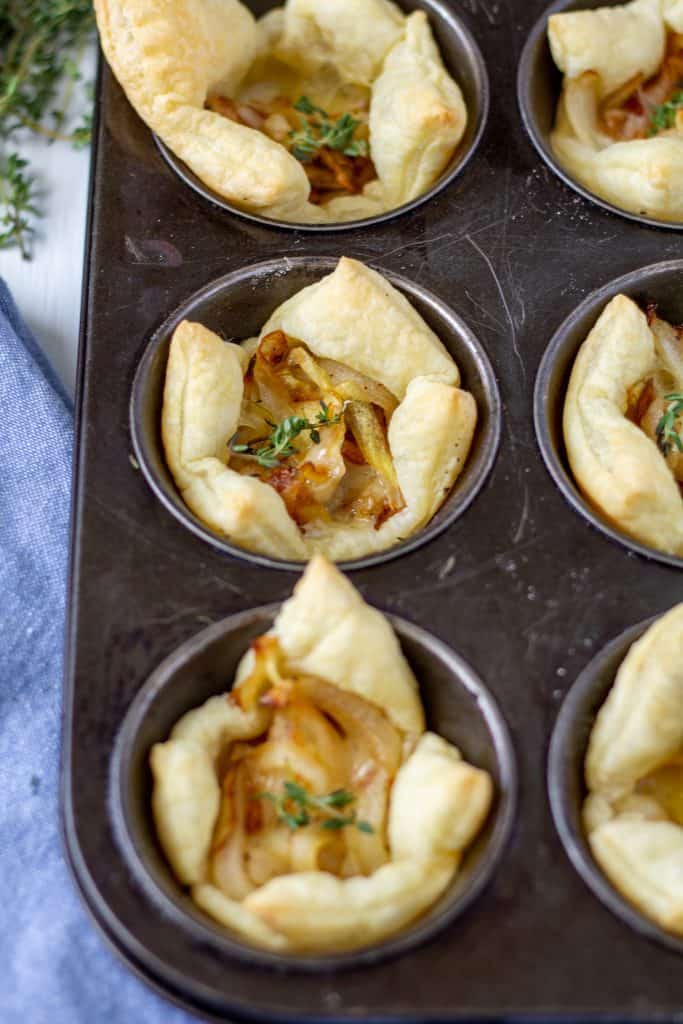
(464, 62)
(553, 377)
(539, 82)
(457, 703)
(255, 284)
(566, 785)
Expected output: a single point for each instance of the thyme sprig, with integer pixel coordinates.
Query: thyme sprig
(296, 808)
(318, 131)
(279, 445)
(668, 436)
(40, 43)
(663, 117)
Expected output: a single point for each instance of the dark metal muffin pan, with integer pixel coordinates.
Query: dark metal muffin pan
(237, 306)
(566, 783)
(539, 84)
(662, 284)
(519, 586)
(457, 705)
(462, 57)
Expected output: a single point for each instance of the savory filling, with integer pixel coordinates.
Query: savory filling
(656, 405)
(316, 431)
(312, 792)
(333, 148)
(641, 109)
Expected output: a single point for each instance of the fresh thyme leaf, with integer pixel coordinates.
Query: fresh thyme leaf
(334, 824)
(318, 131)
(668, 436)
(296, 792)
(663, 117)
(18, 198)
(340, 798)
(40, 43)
(279, 445)
(305, 106)
(296, 808)
(295, 821)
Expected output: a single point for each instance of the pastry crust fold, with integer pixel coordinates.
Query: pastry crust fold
(615, 463)
(355, 317)
(639, 731)
(615, 42)
(438, 802)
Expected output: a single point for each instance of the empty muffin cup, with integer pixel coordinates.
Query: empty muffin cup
(659, 283)
(566, 786)
(457, 705)
(463, 60)
(237, 306)
(539, 84)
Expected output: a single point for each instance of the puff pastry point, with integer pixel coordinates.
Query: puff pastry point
(340, 430)
(308, 810)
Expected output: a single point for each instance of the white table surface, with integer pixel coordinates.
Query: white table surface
(47, 289)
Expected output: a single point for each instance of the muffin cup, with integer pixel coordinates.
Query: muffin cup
(661, 283)
(237, 306)
(457, 705)
(464, 61)
(566, 785)
(539, 84)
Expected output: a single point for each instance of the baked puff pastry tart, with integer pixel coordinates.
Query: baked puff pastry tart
(308, 810)
(623, 423)
(340, 430)
(315, 113)
(634, 770)
(619, 126)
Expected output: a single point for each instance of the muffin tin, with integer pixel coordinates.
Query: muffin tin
(522, 588)
(565, 778)
(463, 59)
(661, 284)
(539, 83)
(237, 306)
(457, 707)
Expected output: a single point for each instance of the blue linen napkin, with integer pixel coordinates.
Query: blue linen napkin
(55, 967)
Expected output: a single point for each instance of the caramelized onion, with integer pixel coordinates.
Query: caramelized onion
(351, 385)
(367, 429)
(228, 858)
(325, 740)
(358, 716)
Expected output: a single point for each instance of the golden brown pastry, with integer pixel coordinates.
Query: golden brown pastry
(340, 430)
(623, 423)
(634, 772)
(619, 126)
(315, 113)
(308, 810)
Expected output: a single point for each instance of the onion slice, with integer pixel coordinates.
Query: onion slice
(368, 431)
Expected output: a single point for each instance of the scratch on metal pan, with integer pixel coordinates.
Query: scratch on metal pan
(503, 299)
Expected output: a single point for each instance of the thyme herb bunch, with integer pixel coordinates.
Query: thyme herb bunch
(40, 43)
